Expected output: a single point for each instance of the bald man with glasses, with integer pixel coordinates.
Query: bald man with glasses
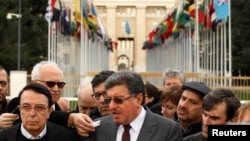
(50, 75)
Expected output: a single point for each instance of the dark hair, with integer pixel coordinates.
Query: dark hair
(101, 77)
(3, 69)
(131, 80)
(40, 89)
(219, 95)
(173, 93)
(151, 90)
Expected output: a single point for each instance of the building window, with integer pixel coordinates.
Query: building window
(155, 11)
(123, 11)
(102, 11)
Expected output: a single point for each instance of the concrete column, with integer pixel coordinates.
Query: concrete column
(111, 26)
(140, 57)
(18, 79)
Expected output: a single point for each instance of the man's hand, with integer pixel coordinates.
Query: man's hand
(7, 119)
(82, 123)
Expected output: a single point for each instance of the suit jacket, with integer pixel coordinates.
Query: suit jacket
(154, 128)
(195, 137)
(54, 132)
(59, 117)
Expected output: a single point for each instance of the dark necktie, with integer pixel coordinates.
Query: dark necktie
(126, 135)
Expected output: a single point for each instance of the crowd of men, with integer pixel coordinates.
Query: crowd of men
(115, 106)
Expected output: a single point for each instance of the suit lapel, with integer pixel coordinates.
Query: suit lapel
(148, 128)
(15, 133)
(111, 132)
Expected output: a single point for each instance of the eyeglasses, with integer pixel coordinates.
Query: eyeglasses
(52, 84)
(85, 108)
(117, 100)
(3, 83)
(97, 95)
(37, 108)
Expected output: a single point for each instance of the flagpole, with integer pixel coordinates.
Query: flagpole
(49, 40)
(198, 37)
(229, 36)
(19, 37)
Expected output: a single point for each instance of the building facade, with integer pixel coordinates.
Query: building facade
(141, 17)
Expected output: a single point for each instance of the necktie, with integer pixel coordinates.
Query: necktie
(126, 135)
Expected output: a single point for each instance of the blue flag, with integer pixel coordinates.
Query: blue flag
(221, 9)
(127, 28)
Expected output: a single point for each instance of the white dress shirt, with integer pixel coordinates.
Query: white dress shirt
(135, 129)
(29, 136)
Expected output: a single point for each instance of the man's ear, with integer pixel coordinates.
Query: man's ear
(50, 109)
(139, 98)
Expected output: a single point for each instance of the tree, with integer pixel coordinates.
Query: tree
(34, 41)
(240, 36)
(33, 34)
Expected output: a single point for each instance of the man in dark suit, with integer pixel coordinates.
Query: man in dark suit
(35, 106)
(126, 96)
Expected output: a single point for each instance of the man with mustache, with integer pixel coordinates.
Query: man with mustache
(189, 109)
(129, 120)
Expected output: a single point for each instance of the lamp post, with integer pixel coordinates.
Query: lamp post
(19, 16)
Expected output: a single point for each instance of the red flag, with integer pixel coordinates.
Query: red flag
(208, 16)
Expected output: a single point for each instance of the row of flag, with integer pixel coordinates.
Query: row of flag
(209, 17)
(69, 21)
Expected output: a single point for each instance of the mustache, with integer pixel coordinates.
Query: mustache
(182, 109)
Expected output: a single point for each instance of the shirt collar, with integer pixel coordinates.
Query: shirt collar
(29, 136)
(136, 124)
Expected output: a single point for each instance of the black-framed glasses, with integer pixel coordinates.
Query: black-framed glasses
(37, 108)
(117, 100)
(52, 84)
(3, 83)
(97, 95)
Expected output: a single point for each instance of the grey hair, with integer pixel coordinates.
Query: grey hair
(86, 81)
(35, 73)
(169, 73)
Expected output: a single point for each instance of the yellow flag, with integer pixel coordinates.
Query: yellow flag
(80, 6)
